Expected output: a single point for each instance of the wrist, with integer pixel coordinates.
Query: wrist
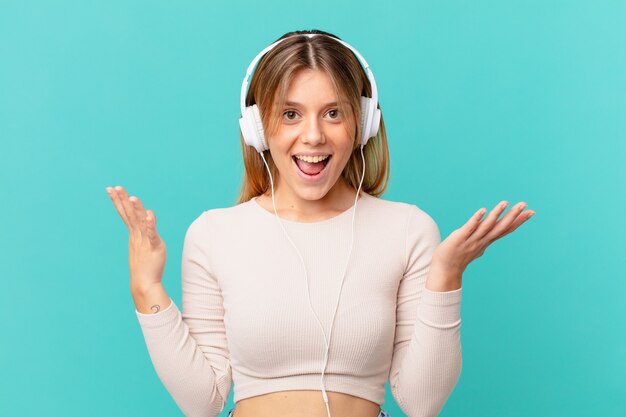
(443, 279)
(145, 290)
(152, 299)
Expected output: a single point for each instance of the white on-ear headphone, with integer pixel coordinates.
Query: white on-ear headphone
(252, 126)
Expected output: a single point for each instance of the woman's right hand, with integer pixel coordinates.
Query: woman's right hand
(146, 250)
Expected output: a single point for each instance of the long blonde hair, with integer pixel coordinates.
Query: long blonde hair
(272, 77)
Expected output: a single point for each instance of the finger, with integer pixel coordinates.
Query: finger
(474, 221)
(518, 221)
(118, 206)
(151, 226)
(487, 224)
(128, 207)
(140, 212)
(503, 224)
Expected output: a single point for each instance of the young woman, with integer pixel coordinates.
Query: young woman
(309, 312)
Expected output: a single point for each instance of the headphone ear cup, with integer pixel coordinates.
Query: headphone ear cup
(375, 123)
(252, 128)
(370, 119)
(258, 127)
(364, 112)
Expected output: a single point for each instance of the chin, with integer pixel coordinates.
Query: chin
(317, 192)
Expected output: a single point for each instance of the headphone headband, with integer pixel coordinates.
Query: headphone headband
(251, 67)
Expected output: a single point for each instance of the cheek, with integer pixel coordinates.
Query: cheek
(285, 130)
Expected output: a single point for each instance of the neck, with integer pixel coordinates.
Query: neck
(338, 199)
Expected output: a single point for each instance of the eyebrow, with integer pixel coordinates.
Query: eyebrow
(293, 103)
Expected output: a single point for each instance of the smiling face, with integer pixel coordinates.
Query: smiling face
(311, 124)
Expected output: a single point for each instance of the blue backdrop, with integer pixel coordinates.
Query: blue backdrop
(483, 101)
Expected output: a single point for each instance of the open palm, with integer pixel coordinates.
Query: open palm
(469, 242)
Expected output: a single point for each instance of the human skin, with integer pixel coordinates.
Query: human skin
(469, 242)
(146, 252)
(314, 127)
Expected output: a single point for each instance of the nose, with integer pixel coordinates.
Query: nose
(313, 133)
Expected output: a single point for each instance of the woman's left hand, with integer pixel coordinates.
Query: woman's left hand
(469, 242)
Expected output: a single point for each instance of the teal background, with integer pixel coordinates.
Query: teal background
(483, 101)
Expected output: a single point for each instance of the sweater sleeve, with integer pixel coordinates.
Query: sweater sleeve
(427, 360)
(189, 350)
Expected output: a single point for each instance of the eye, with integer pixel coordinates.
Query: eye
(289, 112)
(336, 113)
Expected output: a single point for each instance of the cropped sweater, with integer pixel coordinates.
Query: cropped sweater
(246, 317)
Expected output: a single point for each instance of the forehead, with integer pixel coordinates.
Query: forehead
(308, 75)
(311, 86)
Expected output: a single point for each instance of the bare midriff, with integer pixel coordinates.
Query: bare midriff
(305, 404)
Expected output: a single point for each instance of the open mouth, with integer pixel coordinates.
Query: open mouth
(311, 169)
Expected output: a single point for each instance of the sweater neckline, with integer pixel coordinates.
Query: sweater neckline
(338, 217)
